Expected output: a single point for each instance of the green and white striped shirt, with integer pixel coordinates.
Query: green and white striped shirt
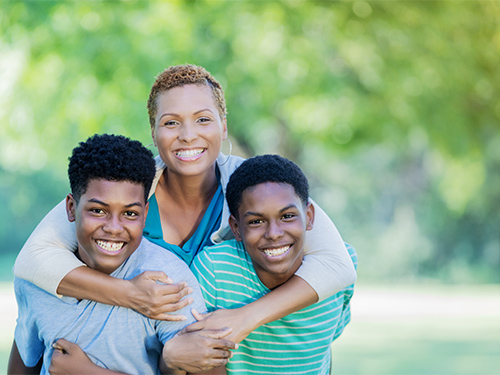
(296, 344)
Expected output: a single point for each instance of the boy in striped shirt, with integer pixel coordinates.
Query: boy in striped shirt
(270, 214)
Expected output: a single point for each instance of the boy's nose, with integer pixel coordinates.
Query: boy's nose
(274, 231)
(113, 226)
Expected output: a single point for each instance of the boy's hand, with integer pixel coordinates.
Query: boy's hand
(153, 294)
(241, 325)
(69, 358)
(198, 351)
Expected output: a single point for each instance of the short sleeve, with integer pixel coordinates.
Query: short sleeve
(202, 268)
(30, 347)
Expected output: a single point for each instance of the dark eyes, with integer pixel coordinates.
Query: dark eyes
(97, 211)
(131, 214)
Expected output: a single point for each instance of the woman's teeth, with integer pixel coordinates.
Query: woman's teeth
(276, 252)
(110, 246)
(189, 153)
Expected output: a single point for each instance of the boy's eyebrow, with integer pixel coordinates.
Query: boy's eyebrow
(94, 200)
(251, 213)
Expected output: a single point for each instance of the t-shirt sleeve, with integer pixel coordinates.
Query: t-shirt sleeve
(46, 258)
(29, 345)
(327, 266)
(203, 269)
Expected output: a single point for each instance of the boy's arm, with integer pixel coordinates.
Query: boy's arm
(68, 358)
(17, 366)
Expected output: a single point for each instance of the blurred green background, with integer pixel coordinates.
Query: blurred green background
(391, 108)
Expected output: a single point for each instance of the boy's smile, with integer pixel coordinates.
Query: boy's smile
(272, 222)
(109, 218)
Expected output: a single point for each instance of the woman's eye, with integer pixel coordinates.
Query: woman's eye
(204, 120)
(171, 123)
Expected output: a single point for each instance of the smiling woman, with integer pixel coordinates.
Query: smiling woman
(187, 212)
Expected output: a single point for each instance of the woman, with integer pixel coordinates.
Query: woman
(187, 211)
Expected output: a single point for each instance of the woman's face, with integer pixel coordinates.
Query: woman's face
(188, 129)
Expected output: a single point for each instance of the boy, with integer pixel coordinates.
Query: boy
(270, 213)
(110, 177)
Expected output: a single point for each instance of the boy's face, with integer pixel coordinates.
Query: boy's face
(272, 222)
(109, 218)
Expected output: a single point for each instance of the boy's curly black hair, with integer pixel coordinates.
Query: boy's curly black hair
(113, 158)
(262, 169)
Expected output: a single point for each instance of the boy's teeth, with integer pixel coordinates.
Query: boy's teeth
(189, 153)
(110, 245)
(276, 252)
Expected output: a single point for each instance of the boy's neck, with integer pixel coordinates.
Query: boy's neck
(272, 281)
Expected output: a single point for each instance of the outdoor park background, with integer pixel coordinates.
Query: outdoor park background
(391, 108)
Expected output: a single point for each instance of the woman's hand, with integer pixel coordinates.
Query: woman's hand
(241, 325)
(197, 351)
(153, 294)
(69, 358)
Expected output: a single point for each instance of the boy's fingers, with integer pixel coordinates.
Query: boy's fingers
(198, 316)
(159, 276)
(62, 345)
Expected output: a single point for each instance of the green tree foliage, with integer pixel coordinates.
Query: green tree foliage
(391, 107)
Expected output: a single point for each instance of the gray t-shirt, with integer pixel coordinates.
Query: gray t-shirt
(113, 337)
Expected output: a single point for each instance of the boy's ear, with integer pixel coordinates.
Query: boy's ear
(233, 223)
(146, 210)
(70, 207)
(309, 216)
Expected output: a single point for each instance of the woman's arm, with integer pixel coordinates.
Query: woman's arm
(46, 261)
(327, 266)
(46, 258)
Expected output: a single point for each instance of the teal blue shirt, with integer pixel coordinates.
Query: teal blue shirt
(210, 223)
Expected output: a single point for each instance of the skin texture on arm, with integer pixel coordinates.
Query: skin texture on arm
(152, 293)
(197, 351)
(68, 358)
(17, 366)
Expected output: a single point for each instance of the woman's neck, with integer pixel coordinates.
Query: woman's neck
(189, 191)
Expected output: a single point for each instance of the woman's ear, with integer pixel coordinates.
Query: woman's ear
(153, 135)
(309, 216)
(224, 129)
(70, 207)
(233, 223)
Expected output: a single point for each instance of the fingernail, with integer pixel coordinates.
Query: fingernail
(237, 346)
(190, 290)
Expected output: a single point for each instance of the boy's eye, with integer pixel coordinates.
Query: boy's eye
(97, 211)
(131, 214)
(288, 216)
(255, 222)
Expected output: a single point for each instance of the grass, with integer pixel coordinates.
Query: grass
(403, 330)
